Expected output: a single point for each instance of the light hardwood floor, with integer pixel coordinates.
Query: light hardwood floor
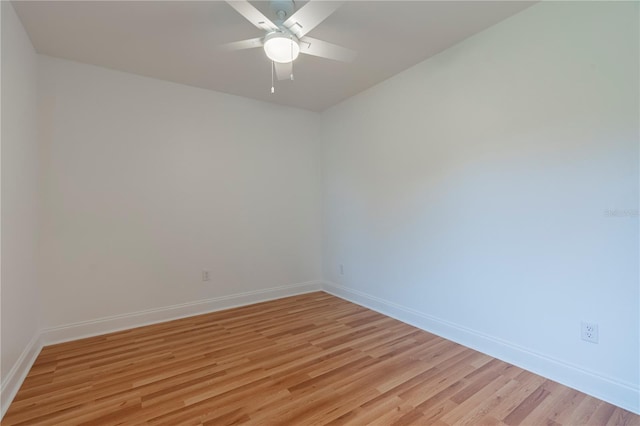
(302, 360)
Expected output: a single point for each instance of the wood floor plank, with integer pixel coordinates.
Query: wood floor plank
(311, 359)
(518, 415)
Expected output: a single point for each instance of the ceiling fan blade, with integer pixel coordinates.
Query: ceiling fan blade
(310, 15)
(253, 15)
(283, 71)
(242, 44)
(315, 47)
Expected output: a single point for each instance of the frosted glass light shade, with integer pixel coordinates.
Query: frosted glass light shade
(281, 48)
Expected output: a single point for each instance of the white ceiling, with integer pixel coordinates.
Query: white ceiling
(177, 41)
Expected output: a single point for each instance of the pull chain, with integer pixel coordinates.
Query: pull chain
(291, 37)
(273, 89)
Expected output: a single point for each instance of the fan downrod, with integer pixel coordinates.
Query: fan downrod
(282, 9)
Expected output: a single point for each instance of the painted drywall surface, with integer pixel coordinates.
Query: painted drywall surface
(495, 185)
(20, 303)
(148, 183)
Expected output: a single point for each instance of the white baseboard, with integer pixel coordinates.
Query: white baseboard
(609, 389)
(110, 324)
(13, 380)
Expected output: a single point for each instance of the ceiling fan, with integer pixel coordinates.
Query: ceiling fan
(286, 36)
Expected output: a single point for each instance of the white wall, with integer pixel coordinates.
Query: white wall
(19, 280)
(147, 183)
(468, 194)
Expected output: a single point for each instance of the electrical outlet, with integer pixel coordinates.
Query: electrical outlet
(205, 275)
(341, 269)
(589, 332)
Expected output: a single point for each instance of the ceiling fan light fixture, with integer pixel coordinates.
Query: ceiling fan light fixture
(281, 48)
